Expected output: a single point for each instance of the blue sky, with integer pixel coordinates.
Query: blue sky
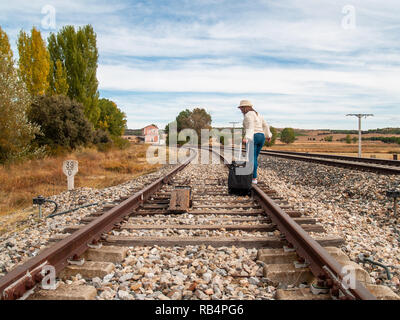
(293, 59)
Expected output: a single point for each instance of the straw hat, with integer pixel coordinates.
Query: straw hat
(245, 103)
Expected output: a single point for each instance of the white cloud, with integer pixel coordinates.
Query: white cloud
(292, 57)
(308, 82)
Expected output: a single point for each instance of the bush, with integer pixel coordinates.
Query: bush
(288, 136)
(104, 147)
(384, 139)
(105, 143)
(16, 131)
(101, 136)
(120, 143)
(273, 139)
(62, 122)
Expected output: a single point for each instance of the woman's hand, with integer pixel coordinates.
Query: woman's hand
(245, 140)
(268, 139)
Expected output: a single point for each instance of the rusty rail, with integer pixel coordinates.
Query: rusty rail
(23, 278)
(375, 165)
(321, 263)
(314, 254)
(382, 162)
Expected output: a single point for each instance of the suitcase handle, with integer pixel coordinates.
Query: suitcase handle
(247, 154)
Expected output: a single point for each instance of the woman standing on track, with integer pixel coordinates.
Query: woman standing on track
(256, 129)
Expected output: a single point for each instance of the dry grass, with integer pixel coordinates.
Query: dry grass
(19, 183)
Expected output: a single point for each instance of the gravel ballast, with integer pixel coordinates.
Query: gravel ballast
(33, 234)
(350, 204)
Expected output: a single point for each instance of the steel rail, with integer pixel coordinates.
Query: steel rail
(321, 263)
(336, 163)
(24, 277)
(306, 247)
(383, 162)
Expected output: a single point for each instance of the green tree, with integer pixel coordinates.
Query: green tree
(200, 119)
(34, 63)
(58, 82)
(348, 139)
(183, 120)
(197, 119)
(16, 132)
(5, 48)
(78, 53)
(328, 138)
(62, 121)
(273, 139)
(288, 136)
(111, 118)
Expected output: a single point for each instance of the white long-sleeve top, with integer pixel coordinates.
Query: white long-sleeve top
(254, 123)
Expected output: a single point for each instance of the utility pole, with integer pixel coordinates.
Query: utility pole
(360, 116)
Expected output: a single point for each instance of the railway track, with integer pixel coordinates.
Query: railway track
(274, 246)
(369, 164)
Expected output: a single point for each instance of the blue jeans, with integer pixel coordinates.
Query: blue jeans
(259, 140)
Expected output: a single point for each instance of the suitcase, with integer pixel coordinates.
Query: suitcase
(239, 184)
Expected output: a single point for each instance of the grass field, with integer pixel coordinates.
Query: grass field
(19, 183)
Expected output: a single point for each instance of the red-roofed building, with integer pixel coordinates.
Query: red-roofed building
(150, 134)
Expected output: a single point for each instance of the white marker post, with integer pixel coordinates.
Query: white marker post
(70, 169)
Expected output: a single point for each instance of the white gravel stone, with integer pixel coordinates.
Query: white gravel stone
(126, 277)
(108, 277)
(207, 277)
(254, 281)
(107, 295)
(124, 295)
(97, 283)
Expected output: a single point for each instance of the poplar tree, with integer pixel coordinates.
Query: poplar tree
(5, 48)
(58, 82)
(34, 62)
(77, 51)
(16, 132)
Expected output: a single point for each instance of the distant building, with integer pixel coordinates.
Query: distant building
(150, 134)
